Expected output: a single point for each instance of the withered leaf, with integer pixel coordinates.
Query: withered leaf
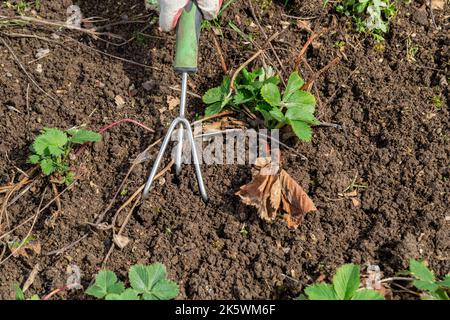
(296, 202)
(173, 102)
(268, 192)
(121, 241)
(23, 248)
(437, 4)
(253, 193)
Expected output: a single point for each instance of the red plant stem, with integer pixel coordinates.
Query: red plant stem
(51, 294)
(112, 125)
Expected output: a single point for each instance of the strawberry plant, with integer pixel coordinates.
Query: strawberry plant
(147, 283)
(52, 147)
(371, 16)
(345, 286)
(259, 91)
(425, 281)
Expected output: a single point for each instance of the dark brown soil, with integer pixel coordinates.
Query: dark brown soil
(395, 140)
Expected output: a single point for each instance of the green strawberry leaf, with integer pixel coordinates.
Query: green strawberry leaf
(213, 109)
(49, 137)
(367, 294)
(420, 271)
(143, 278)
(34, 159)
(440, 294)
(301, 114)
(128, 294)
(55, 151)
(446, 281)
(225, 86)
(274, 80)
(295, 82)
(151, 282)
(213, 95)
(346, 281)
(47, 166)
(243, 96)
(277, 114)
(165, 290)
(81, 136)
(271, 94)
(321, 291)
(425, 285)
(301, 99)
(105, 283)
(301, 129)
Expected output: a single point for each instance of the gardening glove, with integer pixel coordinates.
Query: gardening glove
(170, 11)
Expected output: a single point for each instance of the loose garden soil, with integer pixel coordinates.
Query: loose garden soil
(394, 139)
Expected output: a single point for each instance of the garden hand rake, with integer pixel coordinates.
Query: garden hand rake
(188, 32)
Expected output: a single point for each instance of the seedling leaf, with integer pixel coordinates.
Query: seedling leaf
(446, 281)
(301, 99)
(128, 294)
(420, 271)
(49, 137)
(301, 114)
(321, 291)
(213, 95)
(277, 115)
(295, 82)
(34, 159)
(367, 294)
(346, 281)
(143, 278)
(81, 136)
(151, 282)
(213, 109)
(271, 94)
(105, 283)
(165, 290)
(301, 129)
(47, 166)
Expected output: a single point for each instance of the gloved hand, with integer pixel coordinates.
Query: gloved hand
(170, 11)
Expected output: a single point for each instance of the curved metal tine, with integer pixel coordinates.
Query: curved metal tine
(198, 171)
(179, 150)
(159, 157)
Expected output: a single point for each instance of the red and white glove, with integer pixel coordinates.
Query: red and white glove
(170, 11)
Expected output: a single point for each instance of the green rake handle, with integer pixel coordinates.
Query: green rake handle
(188, 34)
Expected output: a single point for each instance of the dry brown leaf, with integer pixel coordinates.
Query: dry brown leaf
(173, 102)
(33, 246)
(268, 192)
(437, 4)
(296, 202)
(356, 202)
(303, 24)
(121, 241)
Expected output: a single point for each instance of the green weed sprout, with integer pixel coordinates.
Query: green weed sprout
(259, 91)
(52, 147)
(147, 283)
(345, 286)
(371, 16)
(426, 281)
(20, 295)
